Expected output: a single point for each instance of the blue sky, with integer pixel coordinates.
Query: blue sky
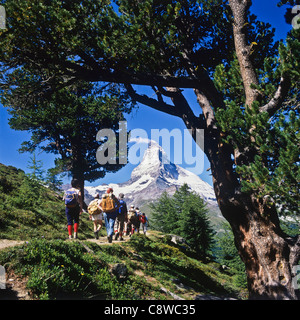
(144, 117)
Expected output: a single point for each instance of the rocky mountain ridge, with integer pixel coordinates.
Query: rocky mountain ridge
(154, 175)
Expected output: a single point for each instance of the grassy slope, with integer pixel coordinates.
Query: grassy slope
(29, 210)
(53, 267)
(56, 268)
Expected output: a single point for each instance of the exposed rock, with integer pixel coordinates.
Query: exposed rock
(175, 296)
(178, 240)
(211, 297)
(120, 270)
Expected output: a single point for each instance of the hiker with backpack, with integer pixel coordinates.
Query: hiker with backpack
(121, 218)
(127, 226)
(145, 222)
(73, 203)
(95, 212)
(133, 219)
(110, 205)
(137, 220)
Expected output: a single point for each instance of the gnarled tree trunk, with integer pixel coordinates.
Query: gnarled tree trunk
(268, 254)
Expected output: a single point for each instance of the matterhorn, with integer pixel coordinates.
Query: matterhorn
(154, 175)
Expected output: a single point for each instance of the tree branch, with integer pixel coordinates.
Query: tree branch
(276, 102)
(186, 113)
(180, 108)
(240, 10)
(207, 87)
(91, 70)
(157, 105)
(206, 109)
(131, 77)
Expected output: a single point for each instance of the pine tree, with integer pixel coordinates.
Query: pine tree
(66, 123)
(164, 214)
(184, 214)
(36, 167)
(169, 46)
(196, 228)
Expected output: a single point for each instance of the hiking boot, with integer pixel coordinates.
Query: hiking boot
(109, 239)
(117, 236)
(96, 234)
(121, 239)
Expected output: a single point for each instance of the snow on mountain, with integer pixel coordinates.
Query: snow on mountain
(154, 175)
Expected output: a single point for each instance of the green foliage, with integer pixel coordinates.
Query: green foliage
(191, 39)
(184, 214)
(277, 179)
(266, 148)
(28, 196)
(55, 266)
(273, 172)
(166, 262)
(227, 255)
(121, 33)
(28, 209)
(151, 37)
(57, 269)
(36, 167)
(67, 123)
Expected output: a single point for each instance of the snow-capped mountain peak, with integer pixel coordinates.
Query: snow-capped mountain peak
(155, 162)
(154, 175)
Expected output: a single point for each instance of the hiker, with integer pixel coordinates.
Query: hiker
(109, 205)
(130, 218)
(95, 213)
(137, 220)
(121, 218)
(145, 222)
(73, 202)
(134, 220)
(127, 226)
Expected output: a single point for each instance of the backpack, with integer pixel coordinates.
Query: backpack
(109, 204)
(132, 215)
(93, 207)
(122, 209)
(71, 198)
(143, 219)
